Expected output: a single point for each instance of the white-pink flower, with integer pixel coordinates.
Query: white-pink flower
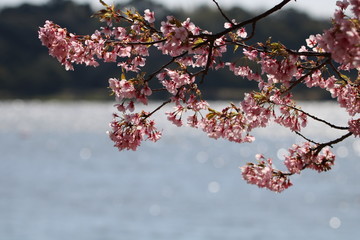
(149, 16)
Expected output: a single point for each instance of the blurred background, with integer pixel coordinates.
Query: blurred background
(60, 177)
(27, 71)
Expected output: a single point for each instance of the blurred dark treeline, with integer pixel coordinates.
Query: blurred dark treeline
(27, 71)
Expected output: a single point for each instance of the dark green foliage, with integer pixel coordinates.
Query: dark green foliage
(27, 71)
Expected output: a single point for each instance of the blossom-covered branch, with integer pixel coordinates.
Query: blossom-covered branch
(328, 60)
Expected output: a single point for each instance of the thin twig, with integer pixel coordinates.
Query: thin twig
(337, 72)
(306, 75)
(164, 66)
(221, 11)
(208, 62)
(307, 139)
(249, 21)
(330, 143)
(317, 119)
(158, 108)
(253, 26)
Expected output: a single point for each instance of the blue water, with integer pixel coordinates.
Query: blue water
(60, 178)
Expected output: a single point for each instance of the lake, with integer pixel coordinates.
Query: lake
(61, 178)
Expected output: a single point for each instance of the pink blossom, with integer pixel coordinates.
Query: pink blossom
(122, 89)
(119, 33)
(175, 117)
(347, 96)
(306, 156)
(298, 157)
(256, 114)
(251, 54)
(196, 105)
(311, 41)
(175, 80)
(195, 52)
(229, 124)
(303, 49)
(130, 130)
(342, 4)
(323, 161)
(355, 8)
(241, 33)
(167, 27)
(66, 47)
(149, 16)
(189, 26)
(342, 39)
(354, 127)
(279, 71)
(229, 25)
(265, 176)
(193, 121)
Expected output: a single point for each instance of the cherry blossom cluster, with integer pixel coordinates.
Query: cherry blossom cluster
(264, 175)
(129, 130)
(354, 127)
(300, 157)
(328, 61)
(65, 46)
(306, 156)
(342, 40)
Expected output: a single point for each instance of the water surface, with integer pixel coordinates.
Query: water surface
(60, 178)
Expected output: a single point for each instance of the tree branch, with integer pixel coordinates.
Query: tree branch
(221, 11)
(318, 119)
(249, 21)
(330, 143)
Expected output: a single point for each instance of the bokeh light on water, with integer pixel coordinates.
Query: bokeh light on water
(60, 178)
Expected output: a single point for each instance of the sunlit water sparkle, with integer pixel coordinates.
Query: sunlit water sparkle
(60, 178)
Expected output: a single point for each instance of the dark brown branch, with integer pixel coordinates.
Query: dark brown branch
(309, 54)
(320, 147)
(208, 62)
(221, 11)
(164, 66)
(253, 26)
(330, 143)
(307, 139)
(158, 108)
(297, 53)
(306, 75)
(337, 72)
(249, 21)
(141, 43)
(318, 119)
